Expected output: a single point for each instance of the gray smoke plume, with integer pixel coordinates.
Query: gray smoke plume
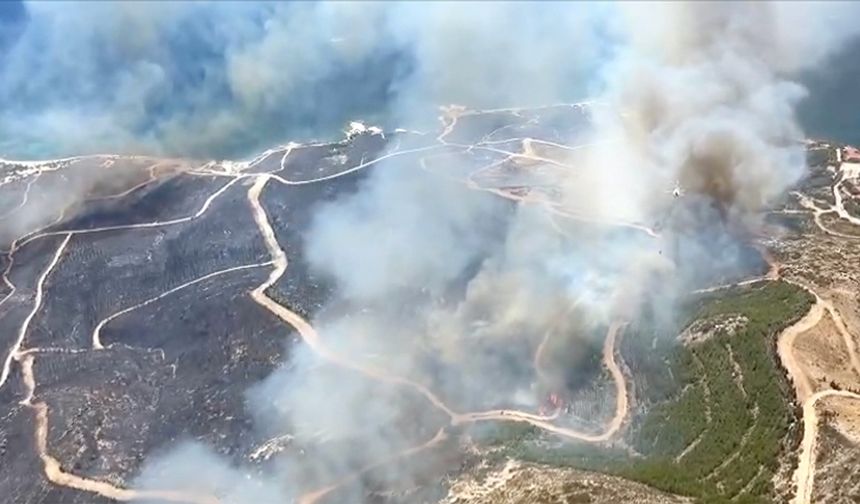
(438, 283)
(226, 78)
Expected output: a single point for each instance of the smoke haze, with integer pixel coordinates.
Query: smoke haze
(456, 288)
(439, 283)
(228, 78)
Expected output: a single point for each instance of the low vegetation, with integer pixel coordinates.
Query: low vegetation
(716, 412)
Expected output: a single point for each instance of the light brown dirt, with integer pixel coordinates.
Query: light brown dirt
(820, 352)
(823, 356)
(518, 483)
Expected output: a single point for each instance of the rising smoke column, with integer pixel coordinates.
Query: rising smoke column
(701, 94)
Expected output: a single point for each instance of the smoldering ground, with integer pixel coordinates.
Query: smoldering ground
(439, 284)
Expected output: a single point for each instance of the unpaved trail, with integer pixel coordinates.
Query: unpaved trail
(206, 204)
(563, 212)
(96, 338)
(37, 303)
(52, 467)
(804, 476)
(785, 349)
(785, 343)
(554, 208)
(37, 234)
(312, 339)
(10, 255)
(24, 199)
(537, 361)
(150, 179)
(315, 343)
(54, 471)
(315, 496)
(305, 330)
(840, 205)
(514, 155)
(275, 175)
(450, 113)
(355, 168)
(847, 337)
(817, 212)
(622, 398)
(621, 402)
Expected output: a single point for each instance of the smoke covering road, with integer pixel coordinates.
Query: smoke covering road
(702, 95)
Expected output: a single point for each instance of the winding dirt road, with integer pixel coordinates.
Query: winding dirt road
(804, 476)
(37, 303)
(317, 495)
(54, 471)
(839, 207)
(24, 199)
(206, 204)
(310, 336)
(785, 349)
(96, 338)
(313, 340)
(25, 357)
(817, 212)
(38, 234)
(612, 427)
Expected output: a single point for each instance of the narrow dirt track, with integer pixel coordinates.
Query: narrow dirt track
(317, 495)
(847, 338)
(24, 199)
(817, 212)
(311, 337)
(38, 234)
(839, 207)
(804, 476)
(785, 349)
(206, 204)
(313, 340)
(37, 303)
(315, 343)
(617, 421)
(96, 337)
(54, 471)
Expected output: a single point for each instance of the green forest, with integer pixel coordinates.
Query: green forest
(717, 411)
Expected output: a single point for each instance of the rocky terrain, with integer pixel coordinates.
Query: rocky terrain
(517, 482)
(818, 250)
